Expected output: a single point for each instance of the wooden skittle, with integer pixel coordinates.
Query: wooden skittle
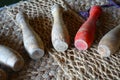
(110, 42)
(32, 42)
(11, 58)
(59, 35)
(86, 33)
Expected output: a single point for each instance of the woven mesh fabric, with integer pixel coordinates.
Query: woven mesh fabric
(88, 64)
(79, 65)
(40, 19)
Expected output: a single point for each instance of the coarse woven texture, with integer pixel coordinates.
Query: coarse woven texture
(40, 19)
(88, 64)
(77, 65)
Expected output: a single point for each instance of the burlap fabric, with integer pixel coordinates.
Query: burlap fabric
(77, 65)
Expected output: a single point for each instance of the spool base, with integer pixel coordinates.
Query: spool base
(37, 54)
(81, 45)
(104, 51)
(60, 46)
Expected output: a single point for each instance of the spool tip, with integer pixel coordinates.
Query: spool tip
(104, 51)
(81, 45)
(60, 46)
(37, 54)
(96, 10)
(96, 7)
(19, 16)
(55, 7)
(16, 63)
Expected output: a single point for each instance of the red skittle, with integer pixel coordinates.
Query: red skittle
(85, 34)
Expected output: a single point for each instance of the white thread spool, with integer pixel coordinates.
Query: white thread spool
(32, 42)
(11, 58)
(110, 42)
(60, 36)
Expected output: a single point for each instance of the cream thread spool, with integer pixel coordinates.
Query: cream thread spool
(60, 35)
(32, 42)
(110, 42)
(11, 58)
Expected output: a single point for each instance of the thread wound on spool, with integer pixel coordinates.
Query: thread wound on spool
(81, 45)
(104, 51)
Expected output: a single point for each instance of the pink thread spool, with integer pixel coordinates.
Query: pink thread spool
(85, 34)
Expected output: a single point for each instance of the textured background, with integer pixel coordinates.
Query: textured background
(86, 65)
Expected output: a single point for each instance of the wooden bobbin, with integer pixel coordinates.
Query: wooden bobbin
(32, 42)
(60, 35)
(11, 58)
(110, 42)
